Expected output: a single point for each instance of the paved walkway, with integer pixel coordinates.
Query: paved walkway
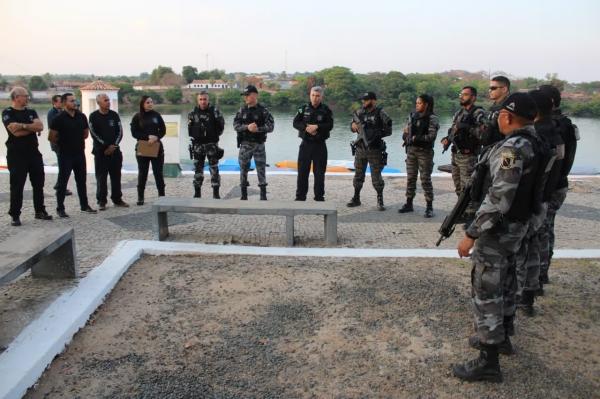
(577, 224)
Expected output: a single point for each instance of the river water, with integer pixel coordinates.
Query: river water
(283, 143)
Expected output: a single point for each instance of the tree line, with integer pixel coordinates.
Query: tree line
(395, 90)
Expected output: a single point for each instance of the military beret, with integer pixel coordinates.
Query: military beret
(369, 96)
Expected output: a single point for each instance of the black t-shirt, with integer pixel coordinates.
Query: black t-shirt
(25, 115)
(70, 132)
(105, 129)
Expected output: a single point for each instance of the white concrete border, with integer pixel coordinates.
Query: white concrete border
(33, 349)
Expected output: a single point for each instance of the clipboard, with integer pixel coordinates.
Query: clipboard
(145, 149)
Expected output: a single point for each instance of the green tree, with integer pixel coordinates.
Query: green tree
(342, 85)
(174, 95)
(230, 97)
(37, 83)
(281, 99)
(126, 92)
(158, 73)
(189, 73)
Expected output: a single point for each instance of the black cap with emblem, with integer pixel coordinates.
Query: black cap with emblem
(369, 96)
(521, 104)
(249, 89)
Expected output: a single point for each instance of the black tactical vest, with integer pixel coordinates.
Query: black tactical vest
(253, 115)
(420, 127)
(313, 116)
(203, 125)
(463, 139)
(491, 134)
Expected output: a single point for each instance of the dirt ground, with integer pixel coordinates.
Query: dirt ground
(277, 327)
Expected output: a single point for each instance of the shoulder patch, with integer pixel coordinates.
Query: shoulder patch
(508, 159)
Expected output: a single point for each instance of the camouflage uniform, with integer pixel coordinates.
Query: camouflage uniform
(419, 141)
(464, 136)
(205, 127)
(499, 227)
(253, 144)
(376, 124)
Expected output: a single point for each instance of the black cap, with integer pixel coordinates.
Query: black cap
(521, 104)
(249, 89)
(369, 96)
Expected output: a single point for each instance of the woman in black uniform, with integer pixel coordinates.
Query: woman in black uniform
(148, 125)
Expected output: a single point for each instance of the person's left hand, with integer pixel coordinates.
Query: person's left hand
(311, 129)
(465, 245)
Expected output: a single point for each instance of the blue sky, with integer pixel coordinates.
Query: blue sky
(523, 38)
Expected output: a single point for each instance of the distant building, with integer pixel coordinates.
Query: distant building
(143, 87)
(208, 85)
(91, 90)
(67, 85)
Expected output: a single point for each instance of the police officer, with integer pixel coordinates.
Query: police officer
(53, 113)
(22, 155)
(497, 232)
(205, 125)
(107, 132)
(252, 123)
(372, 124)
(498, 91)
(551, 148)
(570, 135)
(463, 135)
(69, 131)
(313, 121)
(419, 137)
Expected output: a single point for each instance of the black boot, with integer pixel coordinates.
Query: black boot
(244, 193)
(355, 201)
(263, 193)
(408, 207)
(197, 192)
(216, 192)
(485, 368)
(140, 200)
(380, 205)
(161, 192)
(526, 303)
(504, 348)
(429, 210)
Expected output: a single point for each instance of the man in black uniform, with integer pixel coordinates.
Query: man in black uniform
(23, 156)
(69, 131)
(313, 121)
(372, 124)
(205, 125)
(107, 132)
(53, 113)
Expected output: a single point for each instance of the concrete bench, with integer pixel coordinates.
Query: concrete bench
(48, 252)
(289, 209)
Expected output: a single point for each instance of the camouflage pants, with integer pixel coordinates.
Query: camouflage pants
(546, 233)
(419, 161)
(247, 151)
(372, 157)
(493, 279)
(462, 169)
(200, 154)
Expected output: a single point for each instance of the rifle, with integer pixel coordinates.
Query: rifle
(408, 136)
(361, 131)
(450, 139)
(450, 222)
(471, 192)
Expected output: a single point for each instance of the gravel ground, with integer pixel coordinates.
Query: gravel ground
(276, 327)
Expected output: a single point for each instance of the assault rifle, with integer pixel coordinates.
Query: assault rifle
(361, 131)
(450, 222)
(471, 192)
(408, 136)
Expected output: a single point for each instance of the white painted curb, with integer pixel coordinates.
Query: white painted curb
(33, 349)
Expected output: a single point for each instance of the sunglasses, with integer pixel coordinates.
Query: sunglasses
(492, 88)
